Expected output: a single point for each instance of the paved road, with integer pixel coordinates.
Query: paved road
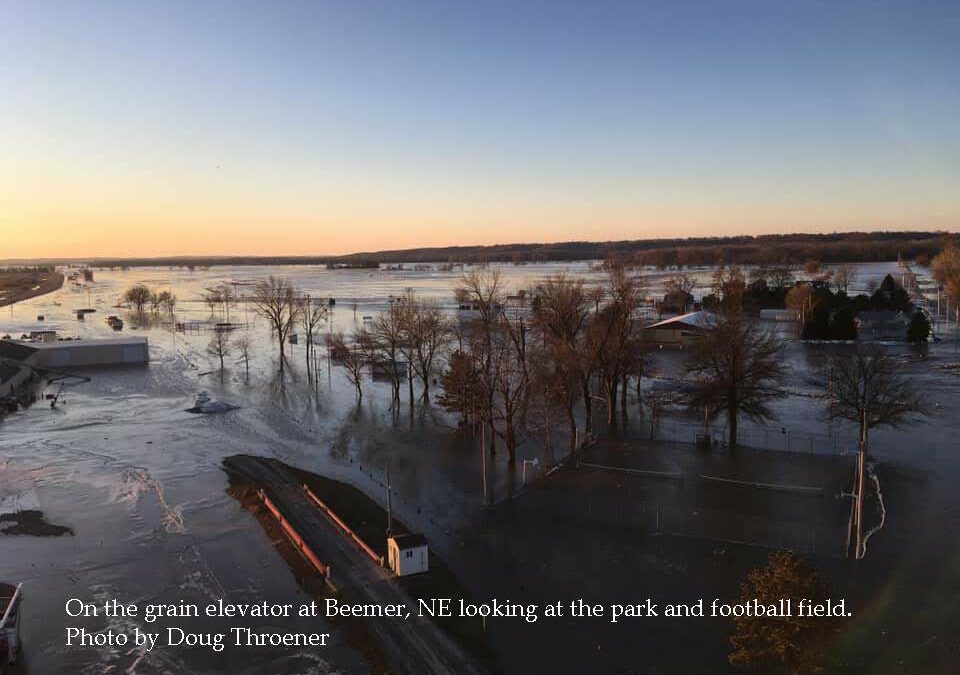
(415, 645)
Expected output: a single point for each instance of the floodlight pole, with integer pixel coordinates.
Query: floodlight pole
(389, 502)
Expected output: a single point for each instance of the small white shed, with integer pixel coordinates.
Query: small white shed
(408, 554)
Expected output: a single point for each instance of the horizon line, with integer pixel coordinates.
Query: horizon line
(454, 247)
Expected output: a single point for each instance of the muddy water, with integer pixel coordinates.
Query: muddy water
(139, 481)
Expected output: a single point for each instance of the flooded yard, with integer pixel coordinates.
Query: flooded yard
(139, 483)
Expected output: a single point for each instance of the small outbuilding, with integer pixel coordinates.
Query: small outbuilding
(779, 315)
(883, 325)
(43, 335)
(408, 554)
(680, 331)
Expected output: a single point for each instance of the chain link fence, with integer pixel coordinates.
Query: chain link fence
(761, 437)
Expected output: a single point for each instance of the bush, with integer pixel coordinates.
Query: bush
(793, 642)
(843, 325)
(919, 330)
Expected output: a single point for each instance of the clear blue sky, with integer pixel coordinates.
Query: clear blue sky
(315, 127)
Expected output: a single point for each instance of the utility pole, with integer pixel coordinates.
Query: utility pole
(546, 398)
(483, 462)
(389, 502)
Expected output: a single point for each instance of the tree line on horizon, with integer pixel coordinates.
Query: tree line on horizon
(768, 249)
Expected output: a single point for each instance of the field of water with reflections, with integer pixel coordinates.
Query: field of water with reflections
(139, 480)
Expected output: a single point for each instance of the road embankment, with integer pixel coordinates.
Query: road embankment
(414, 645)
(16, 287)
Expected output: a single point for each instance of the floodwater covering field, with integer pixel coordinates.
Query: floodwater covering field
(140, 483)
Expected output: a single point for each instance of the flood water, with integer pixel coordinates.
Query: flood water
(139, 481)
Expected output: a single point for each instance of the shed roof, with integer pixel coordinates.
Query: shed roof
(406, 541)
(701, 320)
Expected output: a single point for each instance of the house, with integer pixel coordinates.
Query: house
(677, 301)
(886, 324)
(408, 554)
(471, 311)
(779, 315)
(679, 331)
(382, 370)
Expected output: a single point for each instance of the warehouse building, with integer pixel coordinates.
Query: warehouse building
(91, 353)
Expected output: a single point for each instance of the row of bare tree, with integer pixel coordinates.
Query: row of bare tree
(513, 360)
(405, 342)
(286, 310)
(556, 347)
(140, 297)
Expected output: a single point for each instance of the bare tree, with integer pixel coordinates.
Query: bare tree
(728, 285)
(211, 297)
(167, 300)
(312, 315)
(220, 297)
(156, 301)
(275, 301)
(737, 368)
(353, 357)
(227, 294)
(427, 332)
(483, 291)
(219, 346)
(555, 384)
(615, 342)
(657, 403)
(842, 277)
(780, 276)
(243, 350)
(561, 315)
(138, 296)
(509, 387)
(868, 390)
(387, 339)
(406, 307)
(679, 287)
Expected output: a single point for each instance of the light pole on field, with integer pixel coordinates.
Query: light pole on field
(533, 462)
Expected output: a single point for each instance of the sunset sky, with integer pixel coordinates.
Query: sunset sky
(200, 127)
